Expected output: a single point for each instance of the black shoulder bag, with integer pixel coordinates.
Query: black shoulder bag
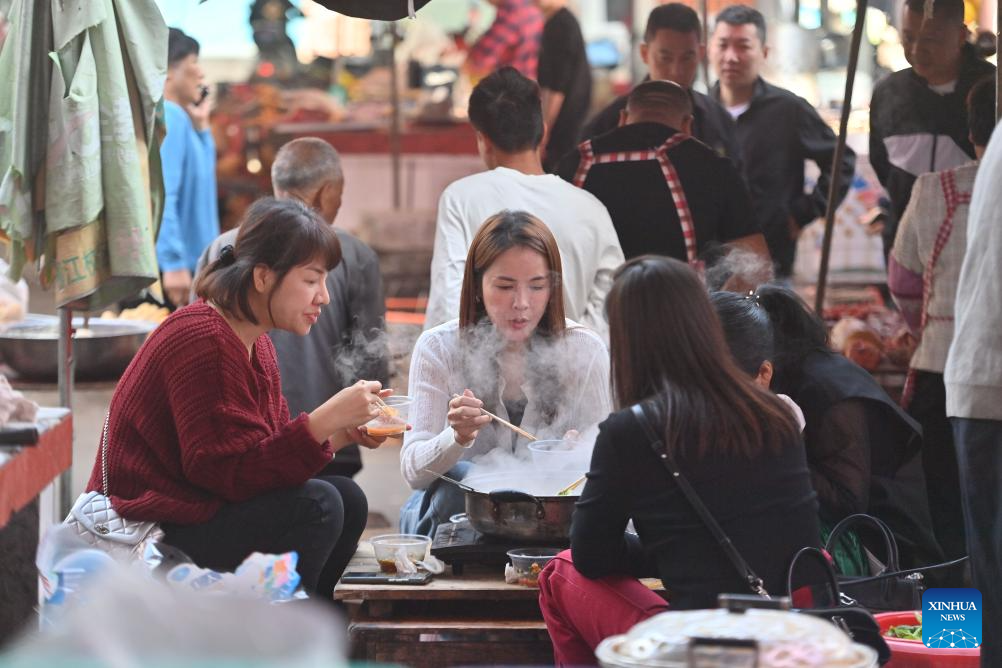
(754, 582)
(855, 621)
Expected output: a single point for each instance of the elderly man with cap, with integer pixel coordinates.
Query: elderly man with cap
(666, 192)
(348, 341)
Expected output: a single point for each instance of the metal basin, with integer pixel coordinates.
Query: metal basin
(102, 351)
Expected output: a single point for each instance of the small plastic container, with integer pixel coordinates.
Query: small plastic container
(560, 455)
(528, 562)
(391, 421)
(387, 546)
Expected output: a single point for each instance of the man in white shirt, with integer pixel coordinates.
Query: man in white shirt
(973, 378)
(506, 113)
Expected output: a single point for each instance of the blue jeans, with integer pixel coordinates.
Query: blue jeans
(979, 458)
(434, 505)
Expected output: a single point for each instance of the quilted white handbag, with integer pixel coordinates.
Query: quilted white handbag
(100, 526)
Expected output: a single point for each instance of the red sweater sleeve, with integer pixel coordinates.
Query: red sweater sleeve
(235, 437)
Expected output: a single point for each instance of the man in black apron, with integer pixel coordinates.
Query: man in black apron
(666, 192)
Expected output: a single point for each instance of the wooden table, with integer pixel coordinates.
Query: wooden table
(454, 620)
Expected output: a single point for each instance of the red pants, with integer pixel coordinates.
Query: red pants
(580, 613)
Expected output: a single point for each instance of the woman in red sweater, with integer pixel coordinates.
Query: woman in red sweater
(199, 436)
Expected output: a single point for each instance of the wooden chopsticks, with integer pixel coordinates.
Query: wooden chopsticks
(522, 432)
(567, 490)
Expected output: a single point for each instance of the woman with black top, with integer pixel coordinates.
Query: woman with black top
(737, 444)
(749, 336)
(861, 446)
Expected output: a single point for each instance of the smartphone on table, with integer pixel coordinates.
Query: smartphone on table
(356, 577)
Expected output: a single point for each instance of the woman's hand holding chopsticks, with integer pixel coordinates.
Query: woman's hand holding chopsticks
(491, 416)
(466, 416)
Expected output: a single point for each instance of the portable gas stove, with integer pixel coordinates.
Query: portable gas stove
(457, 543)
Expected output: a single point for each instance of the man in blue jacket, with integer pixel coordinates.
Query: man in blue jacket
(191, 218)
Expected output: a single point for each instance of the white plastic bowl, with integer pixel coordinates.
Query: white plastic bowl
(387, 546)
(560, 455)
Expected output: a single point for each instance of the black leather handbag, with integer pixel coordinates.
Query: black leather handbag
(887, 589)
(857, 622)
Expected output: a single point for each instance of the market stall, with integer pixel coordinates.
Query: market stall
(32, 457)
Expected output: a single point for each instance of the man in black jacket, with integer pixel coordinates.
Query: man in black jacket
(777, 130)
(918, 118)
(672, 50)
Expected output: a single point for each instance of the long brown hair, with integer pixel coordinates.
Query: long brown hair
(668, 348)
(501, 232)
(279, 234)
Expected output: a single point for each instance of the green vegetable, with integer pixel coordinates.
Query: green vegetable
(905, 632)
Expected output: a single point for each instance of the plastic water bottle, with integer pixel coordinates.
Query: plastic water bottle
(73, 573)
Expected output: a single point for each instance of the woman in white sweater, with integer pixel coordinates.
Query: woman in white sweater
(511, 352)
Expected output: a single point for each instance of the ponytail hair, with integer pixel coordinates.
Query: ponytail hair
(747, 329)
(797, 330)
(278, 234)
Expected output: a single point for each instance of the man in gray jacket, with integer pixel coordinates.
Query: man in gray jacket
(349, 340)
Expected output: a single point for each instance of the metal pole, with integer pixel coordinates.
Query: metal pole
(998, 70)
(704, 14)
(65, 379)
(395, 118)
(40, 75)
(850, 78)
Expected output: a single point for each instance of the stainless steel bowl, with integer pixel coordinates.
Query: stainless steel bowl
(102, 351)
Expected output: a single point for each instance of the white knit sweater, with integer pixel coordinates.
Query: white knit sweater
(437, 373)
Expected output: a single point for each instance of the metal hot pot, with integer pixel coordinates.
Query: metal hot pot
(522, 505)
